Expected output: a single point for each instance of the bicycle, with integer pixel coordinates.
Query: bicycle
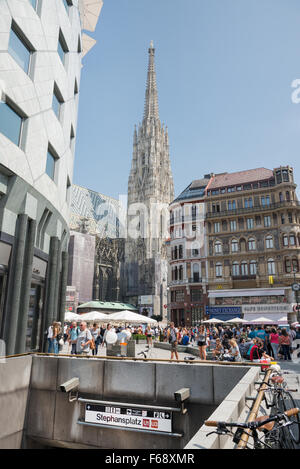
(281, 400)
(270, 426)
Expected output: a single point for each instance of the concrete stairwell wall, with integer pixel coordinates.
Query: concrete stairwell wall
(15, 376)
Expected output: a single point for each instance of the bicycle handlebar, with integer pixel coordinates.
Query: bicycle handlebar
(288, 413)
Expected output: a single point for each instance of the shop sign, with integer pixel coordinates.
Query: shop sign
(267, 309)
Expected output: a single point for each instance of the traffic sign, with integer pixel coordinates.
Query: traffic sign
(296, 286)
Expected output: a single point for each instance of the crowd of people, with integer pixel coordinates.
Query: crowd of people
(234, 343)
(231, 343)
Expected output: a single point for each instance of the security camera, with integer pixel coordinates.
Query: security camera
(182, 395)
(70, 385)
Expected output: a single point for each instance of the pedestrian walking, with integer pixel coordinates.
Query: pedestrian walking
(95, 331)
(202, 342)
(274, 342)
(73, 333)
(285, 343)
(84, 340)
(172, 337)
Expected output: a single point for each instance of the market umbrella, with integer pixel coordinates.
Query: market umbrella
(94, 316)
(282, 320)
(130, 317)
(213, 321)
(237, 321)
(262, 320)
(70, 317)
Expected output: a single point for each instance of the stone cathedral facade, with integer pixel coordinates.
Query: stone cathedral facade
(150, 191)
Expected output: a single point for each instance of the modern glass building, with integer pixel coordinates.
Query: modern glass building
(42, 44)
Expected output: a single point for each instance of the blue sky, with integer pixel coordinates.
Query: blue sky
(224, 74)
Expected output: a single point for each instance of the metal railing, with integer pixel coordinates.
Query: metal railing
(255, 208)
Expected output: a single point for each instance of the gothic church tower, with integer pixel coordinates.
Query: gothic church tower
(150, 191)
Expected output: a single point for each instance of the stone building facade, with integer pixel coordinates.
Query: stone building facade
(42, 46)
(150, 190)
(252, 247)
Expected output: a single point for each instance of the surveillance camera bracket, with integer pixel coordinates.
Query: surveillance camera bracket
(73, 396)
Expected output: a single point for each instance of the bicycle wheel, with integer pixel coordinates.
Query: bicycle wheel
(289, 403)
(281, 435)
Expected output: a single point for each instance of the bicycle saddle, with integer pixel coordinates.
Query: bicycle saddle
(268, 426)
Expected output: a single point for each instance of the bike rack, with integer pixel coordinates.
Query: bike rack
(253, 414)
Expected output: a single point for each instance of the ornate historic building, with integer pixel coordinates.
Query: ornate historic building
(150, 191)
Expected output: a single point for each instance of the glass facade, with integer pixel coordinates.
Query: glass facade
(10, 123)
(61, 51)
(19, 51)
(56, 105)
(33, 3)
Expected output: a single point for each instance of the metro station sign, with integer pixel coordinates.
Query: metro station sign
(140, 419)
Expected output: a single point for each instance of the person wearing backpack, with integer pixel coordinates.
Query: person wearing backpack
(73, 333)
(172, 337)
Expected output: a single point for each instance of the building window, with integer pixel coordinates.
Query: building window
(19, 49)
(235, 269)
(267, 221)
(231, 205)
(218, 247)
(285, 240)
(269, 242)
(50, 165)
(233, 225)
(250, 223)
(290, 217)
(62, 47)
(219, 269)
(57, 102)
(10, 123)
(282, 219)
(196, 295)
(295, 263)
(234, 245)
(251, 244)
(217, 227)
(280, 197)
(288, 266)
(265, 200)
(179, 296)
(244, 268)
(67, 4)
(292, 240)
(33, 3)
(253, 268)
(271, 267)
(249, 203)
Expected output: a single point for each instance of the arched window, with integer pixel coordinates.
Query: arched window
(271, 267)
(287, 265)
(269, 242)
(285, 240)
(235, 269)
(234, 245)
(219, 269)
(218, 247)
(295, 264)
(251, 244)
(244, 268)
(292, 240)
(253, 268)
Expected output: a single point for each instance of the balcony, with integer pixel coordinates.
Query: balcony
(185, 281)
(257, 208)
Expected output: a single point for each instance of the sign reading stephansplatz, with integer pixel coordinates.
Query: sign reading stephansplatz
(141, 419)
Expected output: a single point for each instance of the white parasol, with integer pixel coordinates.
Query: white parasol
(213, 321)
(262, 320)
(70, 317)
(237, 321)
(130, 317)
(94, 316)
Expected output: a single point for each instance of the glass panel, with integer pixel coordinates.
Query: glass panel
(33, 3)
(56, 105)
(66, 6)
(10, 123)
(61, 51)
(50, 166)
(19, 51)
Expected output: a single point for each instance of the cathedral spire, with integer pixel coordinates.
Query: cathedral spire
(151, 99)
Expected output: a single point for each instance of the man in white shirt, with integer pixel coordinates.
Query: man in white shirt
(84, 340)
